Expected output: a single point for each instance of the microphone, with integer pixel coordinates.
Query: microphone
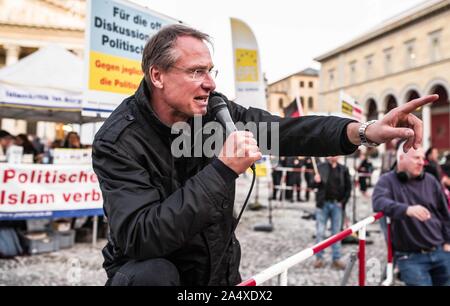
(218, 108)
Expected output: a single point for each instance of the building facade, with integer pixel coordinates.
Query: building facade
(26, 26)
(303, 85)
(402, 59)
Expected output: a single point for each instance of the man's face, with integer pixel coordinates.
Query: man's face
(412, 162)
(185, 96)
(74, 140)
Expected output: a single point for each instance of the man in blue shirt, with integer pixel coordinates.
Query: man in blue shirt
(420, 220)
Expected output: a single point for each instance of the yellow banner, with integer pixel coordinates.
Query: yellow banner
(347, 108)
(246, 65)
(114, 74)
(260, 170)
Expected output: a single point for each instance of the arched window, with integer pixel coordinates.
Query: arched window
(310, 103)
(280, 103)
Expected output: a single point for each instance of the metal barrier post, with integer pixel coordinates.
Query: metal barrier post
(94, 231)
(362, 256)
(348, 269)
(390, 258)
(283, 278)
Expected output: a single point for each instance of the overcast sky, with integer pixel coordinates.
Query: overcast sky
(290, 33)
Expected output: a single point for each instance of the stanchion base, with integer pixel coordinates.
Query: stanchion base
(263, 228)
(354, 240)
(255, 206)
(350, 240)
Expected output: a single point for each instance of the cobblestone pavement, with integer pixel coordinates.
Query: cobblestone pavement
(82, 264)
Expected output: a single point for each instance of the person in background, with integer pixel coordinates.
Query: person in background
(37, 144)
(364, 171)
(446, 177)
(420, 221)
(9, 229)
(23, 141)
(433, 167)
(446, 171)
(6, 140)
(334, 189)
(309, 176)
(40, 148)
(432, 163)
(276, 180)
(72, 141)
(446, 166)
(293, 178)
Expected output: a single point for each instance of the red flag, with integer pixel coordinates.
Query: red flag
(299, 111)
(294, 110)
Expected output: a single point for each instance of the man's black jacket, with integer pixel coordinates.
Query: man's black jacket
(181, 209)
(344, 184)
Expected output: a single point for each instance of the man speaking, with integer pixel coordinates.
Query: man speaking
(170, 217)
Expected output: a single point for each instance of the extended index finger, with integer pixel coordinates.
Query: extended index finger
(415, 104)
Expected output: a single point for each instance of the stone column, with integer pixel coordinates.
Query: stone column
(426, 118)
(12, 54)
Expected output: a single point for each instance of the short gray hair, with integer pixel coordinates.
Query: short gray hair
(159, 50)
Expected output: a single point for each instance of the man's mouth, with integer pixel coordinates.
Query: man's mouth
(202, 100)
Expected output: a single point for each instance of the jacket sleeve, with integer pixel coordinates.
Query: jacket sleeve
(303, 136)
(383, 200)
(142, 224)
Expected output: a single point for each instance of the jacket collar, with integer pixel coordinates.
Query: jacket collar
(143, 98)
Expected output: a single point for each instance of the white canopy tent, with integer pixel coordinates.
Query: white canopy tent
(44, 86)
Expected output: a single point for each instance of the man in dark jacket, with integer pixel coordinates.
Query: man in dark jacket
(170, 217)
(334, 189)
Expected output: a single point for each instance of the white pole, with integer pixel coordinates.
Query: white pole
(283, 278)
(94, 231)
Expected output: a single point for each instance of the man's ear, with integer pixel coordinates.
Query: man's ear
(156, 77)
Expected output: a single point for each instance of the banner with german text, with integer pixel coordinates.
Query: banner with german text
(116, 34)
(30, 191)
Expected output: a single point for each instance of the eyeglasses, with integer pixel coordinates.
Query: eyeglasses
(199, 75)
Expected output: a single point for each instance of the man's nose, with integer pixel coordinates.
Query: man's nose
(209, 83)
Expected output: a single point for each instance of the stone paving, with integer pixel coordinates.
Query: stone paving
(81, 264)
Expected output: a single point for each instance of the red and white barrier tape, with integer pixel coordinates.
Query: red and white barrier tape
(284, 265)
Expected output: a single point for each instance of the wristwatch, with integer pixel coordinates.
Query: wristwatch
(362, 135)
